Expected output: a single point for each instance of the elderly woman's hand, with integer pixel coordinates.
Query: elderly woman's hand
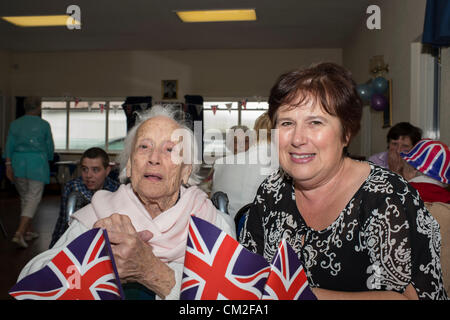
(134, 257)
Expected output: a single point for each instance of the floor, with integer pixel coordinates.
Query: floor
(12, 259)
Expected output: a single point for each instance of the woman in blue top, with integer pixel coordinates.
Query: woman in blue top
(29, 147)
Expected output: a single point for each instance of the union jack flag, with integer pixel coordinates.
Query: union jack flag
(287, 279)
(217, 267)
(84, 270)
(431, 157)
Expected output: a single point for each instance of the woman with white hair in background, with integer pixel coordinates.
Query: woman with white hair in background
(147, 219)
(240, 174)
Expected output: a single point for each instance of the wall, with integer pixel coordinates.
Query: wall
(5, 110)
(445, 96)
(211, 73)
(401, 24)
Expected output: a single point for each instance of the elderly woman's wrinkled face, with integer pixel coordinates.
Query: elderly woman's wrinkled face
(154, 176)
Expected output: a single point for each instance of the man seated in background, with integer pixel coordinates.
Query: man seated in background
(95, 168)
(400, 138)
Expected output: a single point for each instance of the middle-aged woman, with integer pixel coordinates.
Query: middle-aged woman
(147, 219)
(361, 231)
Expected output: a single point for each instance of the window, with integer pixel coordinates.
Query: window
(87, 125)
(79, 125)
(117, 126)
(55, 113)
(222, 115)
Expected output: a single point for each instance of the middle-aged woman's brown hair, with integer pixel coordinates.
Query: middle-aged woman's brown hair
(328, 84)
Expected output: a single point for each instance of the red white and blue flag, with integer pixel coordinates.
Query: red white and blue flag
(287, 279)
(84, 270)
(217, 267)
(431, 157)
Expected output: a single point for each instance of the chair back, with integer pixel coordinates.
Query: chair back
(441, 212)
(71, 204)
(241, 216)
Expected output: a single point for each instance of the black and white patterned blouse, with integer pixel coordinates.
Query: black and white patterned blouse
(384, 239)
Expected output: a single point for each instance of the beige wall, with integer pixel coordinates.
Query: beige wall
(5, 109)
(445, 96)
(401, 24)
(211, 73)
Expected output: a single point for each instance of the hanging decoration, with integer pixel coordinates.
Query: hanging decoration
(214, 109)
(380, 85)
(102, 107)
(378, 102)
(377, 92)
(365, 91)
(244, 103)
(229, 105)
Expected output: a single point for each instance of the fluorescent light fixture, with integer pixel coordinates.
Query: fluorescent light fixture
(41, 21)
(217, 15)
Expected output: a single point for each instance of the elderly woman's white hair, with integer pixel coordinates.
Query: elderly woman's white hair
(178, 116)
(32, 103)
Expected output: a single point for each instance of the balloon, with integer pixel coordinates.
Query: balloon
(380, 85)
(364, 91)
(378, 102)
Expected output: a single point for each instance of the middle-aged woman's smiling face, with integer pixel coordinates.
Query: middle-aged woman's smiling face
(154, 176)
(310, 142)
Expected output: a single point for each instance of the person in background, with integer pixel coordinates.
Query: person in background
(427, 169)
(147, 220)
(236, 141)
(240, 174)
(95, 169)
(360, 230)
(400, 138)
(237, 146)
(29, 148)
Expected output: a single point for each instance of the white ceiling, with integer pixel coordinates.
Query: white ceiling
(152, 24)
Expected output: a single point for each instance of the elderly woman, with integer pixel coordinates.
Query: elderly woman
(361, 231)
(147, 219)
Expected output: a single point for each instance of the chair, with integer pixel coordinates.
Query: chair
(441, 212)
(54, 167)
(241, 216)
(71, 204)
(220, 201)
